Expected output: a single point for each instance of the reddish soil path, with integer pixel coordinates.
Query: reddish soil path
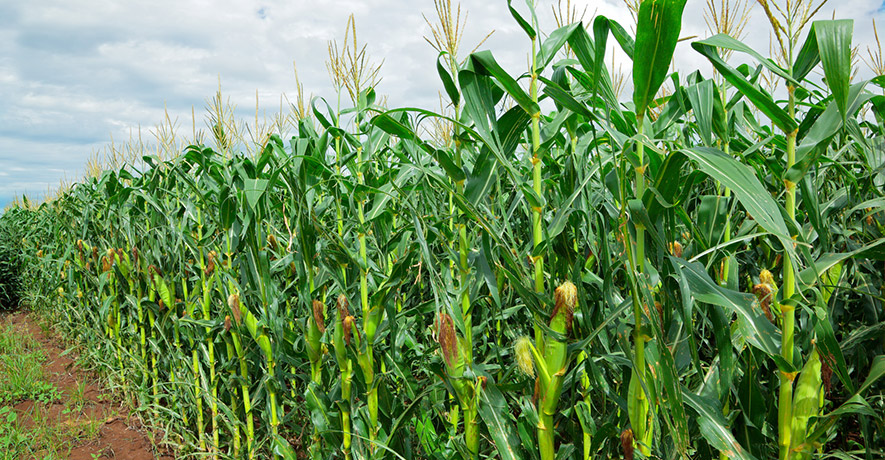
(120, 435)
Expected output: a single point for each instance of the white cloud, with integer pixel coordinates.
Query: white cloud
(74, 73)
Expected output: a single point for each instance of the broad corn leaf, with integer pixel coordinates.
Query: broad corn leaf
(658, 25)
(834, 46)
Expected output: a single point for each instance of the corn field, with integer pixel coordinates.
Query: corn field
(544, 271)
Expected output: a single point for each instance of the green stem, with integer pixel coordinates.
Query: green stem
(471, 429)
(726, 264)
(244, 387)
(368, 324)
(346, 382)
(537, 235)
(210, 346)
(640, 425)
(231, 356)
(141, 333)
(345, 365)
(198, 396)
(640, 191)
(117, 325)
(339, 217)
(173, 368)
(585, 386)
(454, 412)
(206, 282)
(545, 436)
(785, 398)
(152, 296)
(553, 367)
(536, 175)
(274, 417)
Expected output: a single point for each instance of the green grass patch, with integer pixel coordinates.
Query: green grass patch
(33, 432)
(21, 370)
(41, 439)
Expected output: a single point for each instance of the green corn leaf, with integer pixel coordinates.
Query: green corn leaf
(313, 397)
(755, 328)
(815, 142)
(664, 366)
(320, 117)
(741, 180)
(855, 405)
(834, 46)
(485, 62)
(701, 97)
(448, 83)
(494, 411)
(721, 125)
(485, 269)
(877, 371)
(480, 99)
(830, 348)
(535, 200)
(565, 99)
(386, 193)
(392, 126)
(511, 129)
(595, 78)
(601, 28)
(254, 189)
(658, 25)
(810, 275)
(483, 176)
(283, 449)
(722, 332)
(526, 27)
(565, 209)
(553, 44)
(714, 427)
(448, 164)
(808, 56)
(753, 92)
(712, 215)
(730, 43)
(669, 180)
(604, 88)
(582, 410)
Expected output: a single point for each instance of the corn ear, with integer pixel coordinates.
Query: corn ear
(523, 353)
(806, 404)
(556, 362)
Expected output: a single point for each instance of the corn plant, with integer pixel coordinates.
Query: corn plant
(349, 286)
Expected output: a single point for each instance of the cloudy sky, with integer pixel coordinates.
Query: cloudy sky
(75, 74)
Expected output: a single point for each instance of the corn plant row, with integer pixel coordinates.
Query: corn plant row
(565, 275)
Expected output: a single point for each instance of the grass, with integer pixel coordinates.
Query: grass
(33, 434)
(36, 431)
(21, 370)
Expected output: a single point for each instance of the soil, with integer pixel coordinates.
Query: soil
(120, 436)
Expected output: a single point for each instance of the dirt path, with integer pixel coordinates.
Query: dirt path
(94, 424)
